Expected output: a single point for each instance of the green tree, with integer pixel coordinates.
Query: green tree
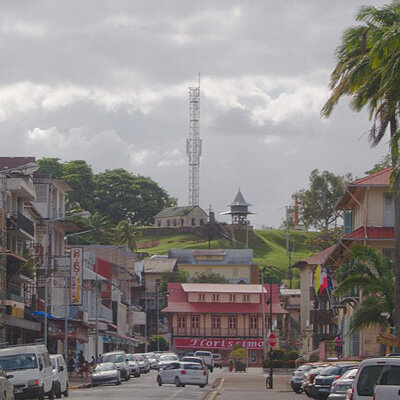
(178, 276)
(319, 201)
(52, 166)
(124, 196)
(79, 175)
(211, 277)
(162, 342)
(373, 274)
(367, 69)
(125, 233)
(384, 163)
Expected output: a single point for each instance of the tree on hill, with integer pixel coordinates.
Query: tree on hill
(367, 69)
(384, 163)
(178, 276)
(210, 277)
(318, 202)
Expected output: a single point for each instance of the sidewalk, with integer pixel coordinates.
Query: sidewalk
(76, 382)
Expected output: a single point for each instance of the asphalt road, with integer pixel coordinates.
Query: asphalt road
(145, 388)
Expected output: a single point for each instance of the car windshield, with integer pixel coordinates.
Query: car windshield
(169, 358)
(203, 354)
(329, 371)
(105, 367)
(18, 361)
(193, 367)
(150, 355)
(130, 357)
(216, 356)
(304, 368)
(53, 363)
(194, 360)
(114, 358)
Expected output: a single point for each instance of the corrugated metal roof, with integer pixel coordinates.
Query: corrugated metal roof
(220, 288)
(231, 256)
(157, 265)
(371, 233)
(378, 178)
(175, 211)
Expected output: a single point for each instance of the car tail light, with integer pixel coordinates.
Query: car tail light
(183, 372)
(349, 394)
(373, 397)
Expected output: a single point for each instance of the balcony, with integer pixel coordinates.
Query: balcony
(104, 314)
(18, 222)
(214, 332)
(23, 187)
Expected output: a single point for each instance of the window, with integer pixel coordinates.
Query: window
(181, 321)
(182, 222)
(232, 322)
(390, 376)
(367, 380)
(168, 222)
(246, 297)
(202, 297)
(201, 221)
(195, 321)
(174, 222)
(158, 223)
(215, 297)
(232, 297)
(253, 322)
(388, 209)
(193, 221)
(216, 322)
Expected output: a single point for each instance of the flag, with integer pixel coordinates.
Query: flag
(317, 279)
(330, 281)
(323, 281)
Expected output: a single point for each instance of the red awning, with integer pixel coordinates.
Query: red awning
(371, 233)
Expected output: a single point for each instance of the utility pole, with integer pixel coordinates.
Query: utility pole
(288, 252)
(263, 314)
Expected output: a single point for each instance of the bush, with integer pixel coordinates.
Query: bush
(279, 354)
(293, 355)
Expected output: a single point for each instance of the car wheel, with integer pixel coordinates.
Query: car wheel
(66, 394)
(159, 380)
(177, 382)
(137, 375)
(127, 377)
(51, 394)
(202, 386)
(41, 395)
(118, 382)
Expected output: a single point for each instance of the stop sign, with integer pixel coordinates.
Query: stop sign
(272, 340)
(298, 342)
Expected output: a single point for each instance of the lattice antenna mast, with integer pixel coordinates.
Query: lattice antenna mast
(193, 145)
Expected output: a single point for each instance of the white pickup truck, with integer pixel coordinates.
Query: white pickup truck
(387, 392)
(207, 358)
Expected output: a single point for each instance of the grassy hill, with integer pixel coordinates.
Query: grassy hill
(269, 245)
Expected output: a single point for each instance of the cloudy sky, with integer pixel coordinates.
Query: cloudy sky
(107, 81)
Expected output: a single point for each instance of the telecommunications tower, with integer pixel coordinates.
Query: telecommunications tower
(193, 145)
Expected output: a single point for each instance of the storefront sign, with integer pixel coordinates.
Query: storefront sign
(76, 275)
(187, 343)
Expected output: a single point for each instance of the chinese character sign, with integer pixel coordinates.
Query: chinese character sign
(76, 275)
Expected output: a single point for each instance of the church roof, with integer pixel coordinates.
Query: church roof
(239, 200)
(175, 211)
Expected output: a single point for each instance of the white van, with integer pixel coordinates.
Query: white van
(29, 370)
(60, 375)
(371, 374)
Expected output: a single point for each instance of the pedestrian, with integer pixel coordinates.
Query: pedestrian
(71, 365)
(338, 345)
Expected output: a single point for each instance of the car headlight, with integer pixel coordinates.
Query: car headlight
(33, 382)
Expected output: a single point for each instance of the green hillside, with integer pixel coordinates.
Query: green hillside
(269, 245)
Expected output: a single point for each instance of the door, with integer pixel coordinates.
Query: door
(63, 373)
(388, 210)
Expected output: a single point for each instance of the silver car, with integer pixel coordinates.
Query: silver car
(106, 373)
(133, 365)
(151, 357)
(143, 363)
(118, 358)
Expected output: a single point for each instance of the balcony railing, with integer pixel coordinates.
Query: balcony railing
(225, 332)
(18, 221)
(104, 313)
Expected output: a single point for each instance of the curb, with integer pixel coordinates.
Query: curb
(80, 386)
(214, 393)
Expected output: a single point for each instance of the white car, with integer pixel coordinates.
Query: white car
(133, 365)
(5, 386)
(183, 373)
(29, 370)
(207, 357)
(60, 375)
(373, 373)
(166, 359)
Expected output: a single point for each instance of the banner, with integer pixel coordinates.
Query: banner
(227, 344)
(76, 275)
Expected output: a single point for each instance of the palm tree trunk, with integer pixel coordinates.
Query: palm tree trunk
(396, 198)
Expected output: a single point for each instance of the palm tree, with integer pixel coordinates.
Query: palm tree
(373, 274)
(125, 233)
(368, 70)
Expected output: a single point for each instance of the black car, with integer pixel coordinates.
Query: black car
(323, 381)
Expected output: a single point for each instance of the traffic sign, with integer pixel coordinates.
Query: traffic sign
(272, 340)
(298, 343)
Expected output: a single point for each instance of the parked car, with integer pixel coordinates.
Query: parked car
(134, 367)
(197, 360)
(28, 369)
(207, 357)
(151, 357)
(372, 375)
(340, 387)
(60, 375)
(119, 358)
(166, 359)
(143, 363)
(297, 379)
(5, 386)
(309, 376)
(217, 360)
(323, 382)
(183, 373)
(106, 373)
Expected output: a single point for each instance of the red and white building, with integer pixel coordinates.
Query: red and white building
(216, 317)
